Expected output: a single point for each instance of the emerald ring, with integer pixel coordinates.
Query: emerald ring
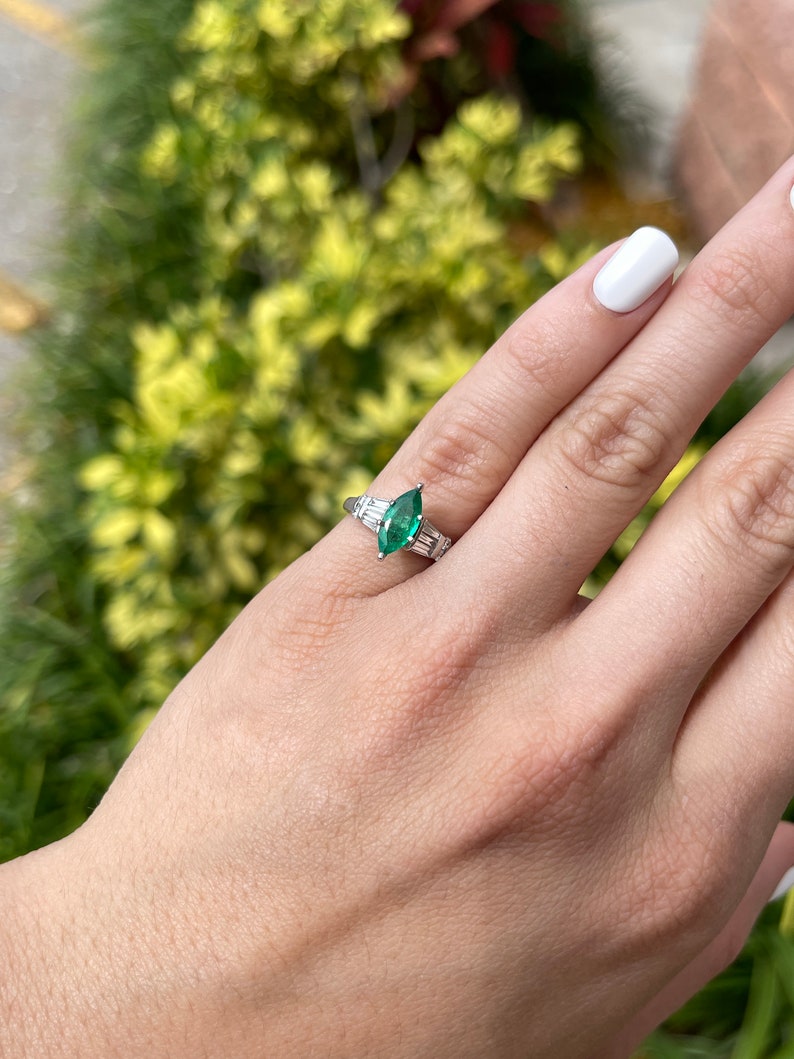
(399, 524)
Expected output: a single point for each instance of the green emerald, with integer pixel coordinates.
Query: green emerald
(401, 522)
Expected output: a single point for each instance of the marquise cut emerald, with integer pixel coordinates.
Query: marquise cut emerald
(401, 522)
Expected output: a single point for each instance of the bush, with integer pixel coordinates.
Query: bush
(63, 708)
(273, 267)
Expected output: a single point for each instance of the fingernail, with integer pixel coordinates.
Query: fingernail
(791, 197)
(783, 887)
(635, 271)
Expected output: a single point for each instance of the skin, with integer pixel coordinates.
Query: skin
(402, 809)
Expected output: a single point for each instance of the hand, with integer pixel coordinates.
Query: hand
(404, 809)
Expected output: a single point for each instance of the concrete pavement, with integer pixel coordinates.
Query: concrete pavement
(35, 73)
(650, 47)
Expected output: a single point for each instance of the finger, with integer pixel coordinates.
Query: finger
(605, 454)
(720, 953)
(739, 732)
(715, 553)
(470, 443)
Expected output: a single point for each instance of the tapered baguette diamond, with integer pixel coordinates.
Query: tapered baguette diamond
(401, 522)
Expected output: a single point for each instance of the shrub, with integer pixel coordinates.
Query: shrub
(270, 277)
(63, 707)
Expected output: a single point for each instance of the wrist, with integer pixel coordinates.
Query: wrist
(33, 989)
(55, 989)
(93, 968)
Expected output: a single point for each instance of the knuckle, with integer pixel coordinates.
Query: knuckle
(283, 629)
(459, 453)
(536, 358)
(548, 779)
(685, 880)
(735, 283)
(446, 657)
(432, 689)
(618, 439)
(750, 508)
(516, 790)
(678, 891)
(426, 697)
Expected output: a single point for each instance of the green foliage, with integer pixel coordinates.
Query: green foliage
(63, 709)
(265, 286)
(252, 413)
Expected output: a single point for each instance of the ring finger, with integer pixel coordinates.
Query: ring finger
(470, 443)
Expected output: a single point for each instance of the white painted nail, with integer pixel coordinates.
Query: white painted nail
(783, 887)
(791, 197)
(636, 270)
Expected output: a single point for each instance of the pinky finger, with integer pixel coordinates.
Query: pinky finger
(719, 954)
(738, 734)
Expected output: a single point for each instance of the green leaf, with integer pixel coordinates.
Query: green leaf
(758, 1028)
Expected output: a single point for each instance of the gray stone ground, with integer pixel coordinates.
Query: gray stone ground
(651, 45)
(34, 88)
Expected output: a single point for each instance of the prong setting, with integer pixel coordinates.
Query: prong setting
(399, 524)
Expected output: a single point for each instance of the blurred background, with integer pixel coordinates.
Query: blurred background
(244, 245)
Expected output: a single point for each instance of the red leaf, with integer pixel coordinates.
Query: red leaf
(444, 14)
(536, 18)
(500, 50)
(457, 13)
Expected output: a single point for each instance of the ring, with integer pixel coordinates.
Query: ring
(399, 524)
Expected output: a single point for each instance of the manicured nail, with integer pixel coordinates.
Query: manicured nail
(635, 271)
(791, 197)
(783, 887)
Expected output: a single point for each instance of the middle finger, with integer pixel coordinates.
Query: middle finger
(602, 458)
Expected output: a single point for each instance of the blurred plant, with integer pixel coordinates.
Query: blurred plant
(326, 322)
(261, 295)
(745, 1013)
(63, 709)
(538, 51)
